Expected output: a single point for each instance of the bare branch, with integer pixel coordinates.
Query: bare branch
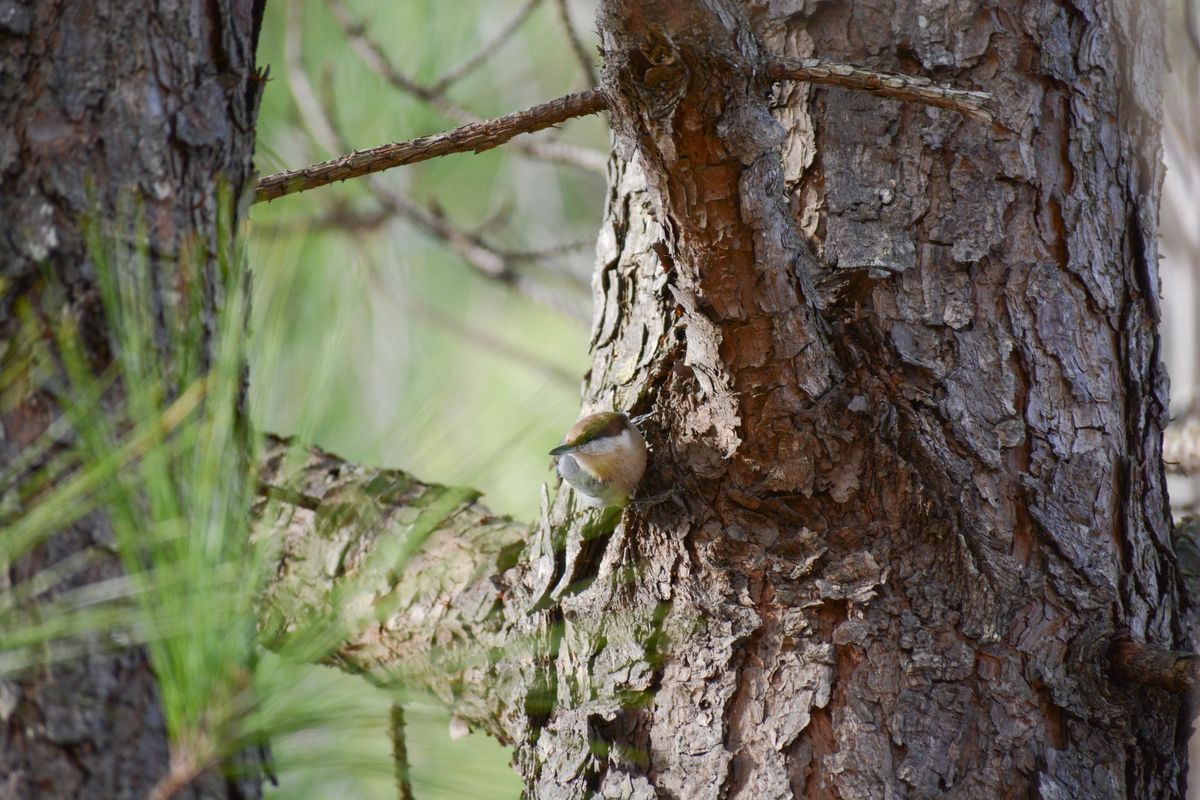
(479, 136)
(577, 46)
(1146, 665)
(571, 155)
(479, 255)
(891, 85)
(548, 252)
(474, 138)
(496, 345)
(339, 216)
(319, 120)
(486, 51)
(342, 216)
(404, 788)
(309, 105)
(376, 59)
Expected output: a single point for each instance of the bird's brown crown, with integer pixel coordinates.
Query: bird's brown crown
(596, 426)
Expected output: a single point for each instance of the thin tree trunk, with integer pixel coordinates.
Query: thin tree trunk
(106, 110)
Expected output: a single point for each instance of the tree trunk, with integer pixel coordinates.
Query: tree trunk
(920, 504)
(918, 513)
(107, 110)
(903, 376)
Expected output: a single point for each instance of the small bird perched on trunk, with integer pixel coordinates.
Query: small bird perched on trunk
(603, 456)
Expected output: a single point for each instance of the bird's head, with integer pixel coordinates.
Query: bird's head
(608, 448)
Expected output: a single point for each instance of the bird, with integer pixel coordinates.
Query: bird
(603, 457)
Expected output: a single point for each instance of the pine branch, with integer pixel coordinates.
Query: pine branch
(894, 86)
(1146, 665)
(485, 135)
(319, 119)
(375, 57)
(476, 138)
(448, 616)
(405, 575)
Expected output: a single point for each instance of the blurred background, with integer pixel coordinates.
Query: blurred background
(435, 318)
(1179, 247)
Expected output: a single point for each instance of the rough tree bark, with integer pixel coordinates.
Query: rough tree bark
(904, 378)
(105, 106)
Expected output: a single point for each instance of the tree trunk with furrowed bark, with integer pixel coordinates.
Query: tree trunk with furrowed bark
(903, 375)
(919, 501)
(105, 108)
(903, 380)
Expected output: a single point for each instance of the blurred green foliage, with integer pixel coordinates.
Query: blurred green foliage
(355, 369)
(375, 343)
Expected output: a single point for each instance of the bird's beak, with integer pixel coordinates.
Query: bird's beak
(562, 448)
